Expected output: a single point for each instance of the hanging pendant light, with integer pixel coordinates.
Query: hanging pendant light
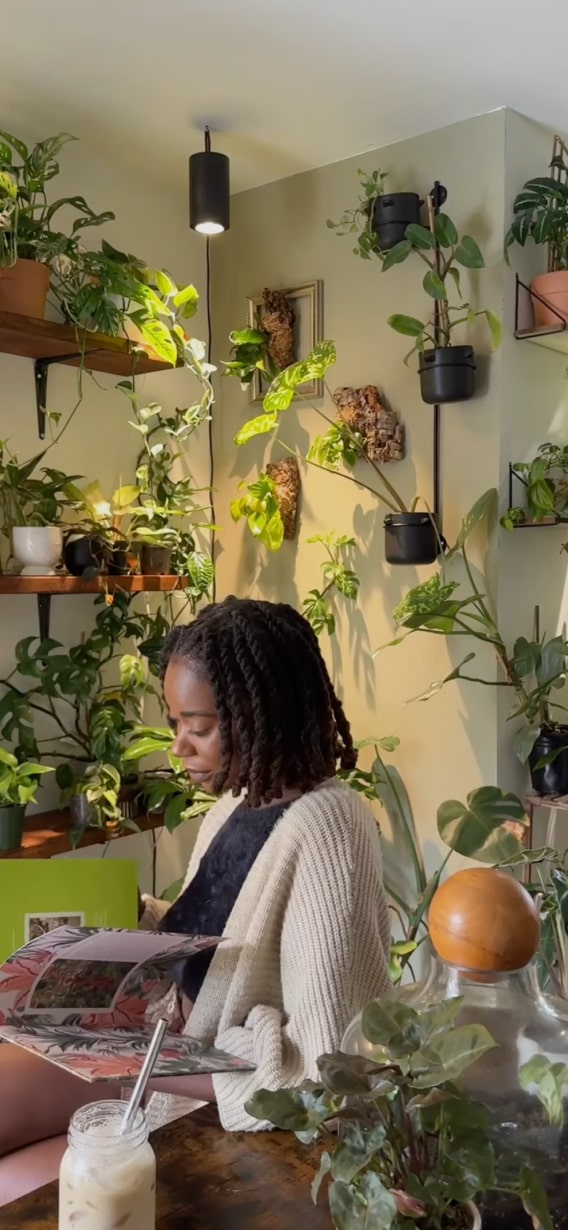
(209, 200)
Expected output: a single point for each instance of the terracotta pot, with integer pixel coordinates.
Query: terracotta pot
(554, 288)
(23, 288)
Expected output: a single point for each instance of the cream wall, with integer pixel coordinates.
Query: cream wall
(99, 442)
(279, 237)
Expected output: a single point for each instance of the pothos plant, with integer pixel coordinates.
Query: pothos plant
(445, 254)
(260, 508)
(413, 1147)
(359, 221)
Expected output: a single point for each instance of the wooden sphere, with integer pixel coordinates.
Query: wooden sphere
(483, 919)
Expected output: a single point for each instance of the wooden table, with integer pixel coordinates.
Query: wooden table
(211, 1180)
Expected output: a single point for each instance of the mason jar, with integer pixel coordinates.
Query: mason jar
(107, 1179)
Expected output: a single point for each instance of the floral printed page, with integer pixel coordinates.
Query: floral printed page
(118, 1054)
(81, 997)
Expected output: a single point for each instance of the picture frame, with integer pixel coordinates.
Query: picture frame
(307, 301)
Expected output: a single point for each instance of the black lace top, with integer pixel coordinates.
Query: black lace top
(205, 906)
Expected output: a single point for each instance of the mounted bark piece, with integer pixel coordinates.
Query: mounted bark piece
(285, 475)
(382, 432)
(278, 321)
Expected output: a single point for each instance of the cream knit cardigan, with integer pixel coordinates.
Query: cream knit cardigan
(307, 948)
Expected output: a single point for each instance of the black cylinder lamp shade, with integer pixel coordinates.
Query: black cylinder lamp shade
(209, 197)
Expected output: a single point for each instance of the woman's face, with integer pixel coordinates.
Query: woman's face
(194, 721)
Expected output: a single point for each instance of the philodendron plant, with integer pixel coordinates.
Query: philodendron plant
(445, 254)
(412, 1148)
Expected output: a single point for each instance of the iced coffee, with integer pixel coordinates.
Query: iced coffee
(107, 1179)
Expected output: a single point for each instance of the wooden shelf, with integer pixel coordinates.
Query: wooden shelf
(45, 339)
(548, 802)
(529, 524)
(61, 583)
(48, 833)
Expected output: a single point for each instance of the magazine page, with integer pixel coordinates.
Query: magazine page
(83, 976)
(99, 1055)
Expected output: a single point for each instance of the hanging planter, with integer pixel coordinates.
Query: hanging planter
(412, 538)
(392, 213)
(285, 475)
(447, 374)
(551, 778)
(379, 427)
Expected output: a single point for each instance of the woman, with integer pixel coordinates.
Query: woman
(287, 866)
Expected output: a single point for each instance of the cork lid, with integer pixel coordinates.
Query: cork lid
(483, 919)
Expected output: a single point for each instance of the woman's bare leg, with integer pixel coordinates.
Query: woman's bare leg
(29, 1168)
(37, 1099)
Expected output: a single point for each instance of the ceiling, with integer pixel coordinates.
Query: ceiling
(286, 84)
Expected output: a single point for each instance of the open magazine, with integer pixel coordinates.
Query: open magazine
(80, 997)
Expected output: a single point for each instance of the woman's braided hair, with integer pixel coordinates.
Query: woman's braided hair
(275, 700)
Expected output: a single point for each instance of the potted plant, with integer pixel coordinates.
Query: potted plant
(411, 536)
(379, 218)
(32, 502)
(19, 781)
(447, 369)
(404, 1144)
(533, 670)
(540, 213)
(28, 239)
(103, 797)
(545, 480)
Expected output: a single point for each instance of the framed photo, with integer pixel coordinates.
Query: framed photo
(36, 925)
(306, 302)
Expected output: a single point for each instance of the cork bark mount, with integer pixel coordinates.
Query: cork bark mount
(285, 475)
(380, 428)
(278, 322)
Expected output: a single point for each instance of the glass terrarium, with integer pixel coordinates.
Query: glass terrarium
(484, 932)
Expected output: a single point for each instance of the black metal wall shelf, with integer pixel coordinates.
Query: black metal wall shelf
(552, 337)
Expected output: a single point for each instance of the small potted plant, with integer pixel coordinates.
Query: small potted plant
(404, 1144)
(379, 218)
(103, 797)
(19, 781)
(29, 242)
(167, 791)
(446, 368)
(545, 480)
(32, 502)
(540, 213)
(412, 536)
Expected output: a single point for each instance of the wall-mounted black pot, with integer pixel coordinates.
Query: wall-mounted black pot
(447, 374)
(81, 553)
(550, 778)
(392, 214)
(411, 538)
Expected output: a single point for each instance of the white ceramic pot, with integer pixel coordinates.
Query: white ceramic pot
(475, 1216)
(38, 548)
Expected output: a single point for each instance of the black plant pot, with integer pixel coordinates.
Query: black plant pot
(550, 778)
(392, 214)
(155, 561)
(447, 374)
(81, 553)
(117, 558)
(411, 538)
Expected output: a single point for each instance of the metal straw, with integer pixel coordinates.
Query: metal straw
(145, 1073)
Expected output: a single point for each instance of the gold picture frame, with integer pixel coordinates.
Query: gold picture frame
(307, 301)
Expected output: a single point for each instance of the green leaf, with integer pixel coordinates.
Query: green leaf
(524, 741)
(408, 325)
(392, 1025)
(469, 254)
(258, 426)
(549, 1081)
(495, 329)
(397, 255)
(434, 286)
(296, 1110)
(476, 829)
(451, 1054)
(187, 300)
(368, 1207)
(445, 231)
(534, 1199)
(283, 389)
(248, 337)
(420, 237)
(483, 509)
